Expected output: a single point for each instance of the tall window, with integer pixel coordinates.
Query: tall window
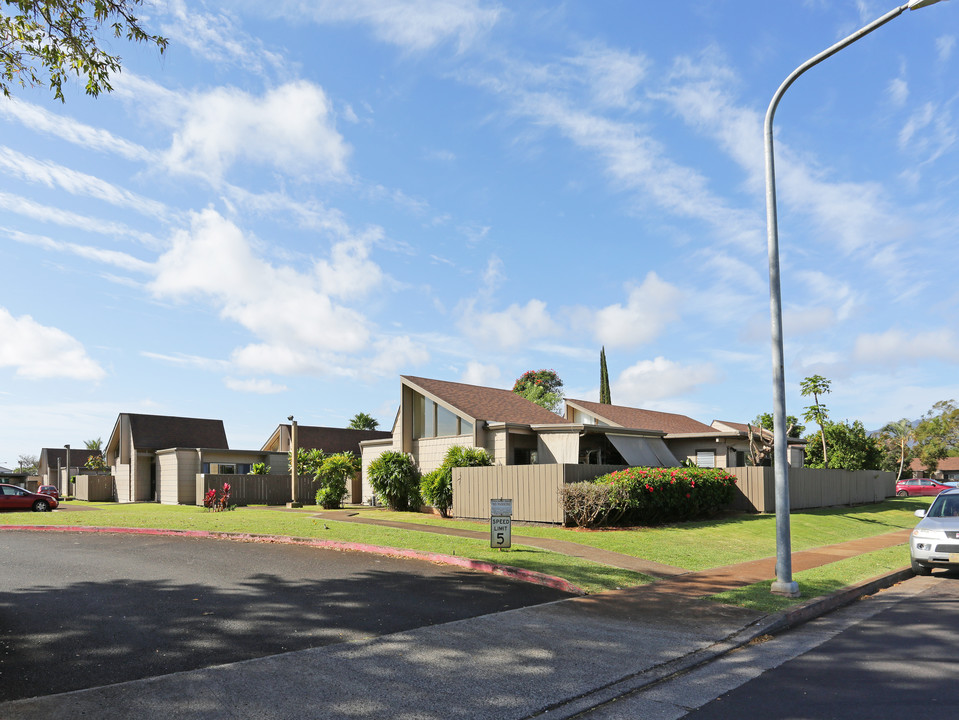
(433, 420)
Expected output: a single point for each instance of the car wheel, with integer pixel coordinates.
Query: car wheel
(902, 493)
(920, 569)
(41, 506)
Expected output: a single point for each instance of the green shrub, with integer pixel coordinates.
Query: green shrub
(259, 469)
(656, 495)
(592, 504)
(333, 476)
(437, 487)
(395, 479)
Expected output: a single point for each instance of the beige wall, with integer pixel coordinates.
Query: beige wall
(428, 452)
(686, 449)
(558, 448)
(369, 454)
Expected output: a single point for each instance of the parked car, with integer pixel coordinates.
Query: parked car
(935, 540)
(50, 490)
(16, 498)
(908, 487)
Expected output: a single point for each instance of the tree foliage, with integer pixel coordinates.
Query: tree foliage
(47, 41)
(362, 421)
(542, 387)
(818, 413)
(396, 480)
(937, 434)
(793, 426)
(604, 396)
(850, 447)
(28, 464)
(93, 444)
(333, 477)
(895, 438)
(436, 487)
(308, 461)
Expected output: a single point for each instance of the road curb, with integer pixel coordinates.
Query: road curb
(510, 571)
(766, 625)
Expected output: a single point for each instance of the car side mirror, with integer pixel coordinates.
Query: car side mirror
(920, 513)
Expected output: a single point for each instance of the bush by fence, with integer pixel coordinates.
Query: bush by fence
(648, 496)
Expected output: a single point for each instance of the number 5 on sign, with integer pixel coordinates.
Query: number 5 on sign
(499, 531)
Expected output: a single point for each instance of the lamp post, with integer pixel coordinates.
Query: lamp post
(66, 490)
(784, 584)
(292, 459)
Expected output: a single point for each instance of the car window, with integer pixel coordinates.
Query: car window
(10, 490)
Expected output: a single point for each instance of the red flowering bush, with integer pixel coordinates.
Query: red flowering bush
(648, 496)
(216, 501)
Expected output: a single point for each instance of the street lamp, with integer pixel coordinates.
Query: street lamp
(784, 584)
(66, 490)
(292, 459)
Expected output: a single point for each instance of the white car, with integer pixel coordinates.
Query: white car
(935, 540)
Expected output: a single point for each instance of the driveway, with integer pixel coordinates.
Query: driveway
(83, 610)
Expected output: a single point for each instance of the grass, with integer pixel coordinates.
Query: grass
(819, 581)
(693, 546)
(720, 541)
(591, 577)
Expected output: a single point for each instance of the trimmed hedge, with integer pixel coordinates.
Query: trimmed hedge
(649, 496)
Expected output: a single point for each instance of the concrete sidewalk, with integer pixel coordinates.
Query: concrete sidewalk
(555, 660)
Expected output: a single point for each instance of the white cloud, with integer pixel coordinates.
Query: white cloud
(280, 305)
(896, 347)
(39, 351)
(898, 91)
(290, 128)
(509, 328)
(944, 47)
(651, 380)
(53, 175)
(216, 38)
(612, 75)
(256, 386)
(66, 128)
(650, 308)
(349, 272)
(415, 25)
(477, 373)
(928, 132)
(45, 213)
(109, 257)
(396, 354)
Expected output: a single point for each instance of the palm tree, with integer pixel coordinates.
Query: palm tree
(902, 433)
(94, 444)
(362, 421)
(817, 385)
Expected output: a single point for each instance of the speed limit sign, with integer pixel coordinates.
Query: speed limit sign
(500, 523)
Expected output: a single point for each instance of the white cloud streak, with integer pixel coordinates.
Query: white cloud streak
(40, 352)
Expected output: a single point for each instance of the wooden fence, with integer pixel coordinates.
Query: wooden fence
(258, 489)
(95, 488)
(811, 488)
(534, 489)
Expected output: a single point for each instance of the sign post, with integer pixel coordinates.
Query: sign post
(500, 523)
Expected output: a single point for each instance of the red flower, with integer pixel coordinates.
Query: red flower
(687, 494)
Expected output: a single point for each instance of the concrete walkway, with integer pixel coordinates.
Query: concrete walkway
(555, 660)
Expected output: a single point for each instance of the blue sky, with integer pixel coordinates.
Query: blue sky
(301, 201)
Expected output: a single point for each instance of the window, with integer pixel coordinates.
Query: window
(205, 469)
(523, 456)
(226, 469)
(706, 458)
(433, 420)
(243, 468)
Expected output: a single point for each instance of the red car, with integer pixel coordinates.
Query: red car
(16, 498)
(908, 487)
(50, 490)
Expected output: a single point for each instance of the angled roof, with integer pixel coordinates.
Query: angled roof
(947, 464)
(483, 403)
(79, 457)
(328, 439)
(158, 432)
(628, 417)
(766, 434)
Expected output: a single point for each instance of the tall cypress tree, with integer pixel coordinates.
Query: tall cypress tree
(603, 379)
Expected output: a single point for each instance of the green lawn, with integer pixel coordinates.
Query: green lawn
(722, 541)
(693, 546)
(819, 581)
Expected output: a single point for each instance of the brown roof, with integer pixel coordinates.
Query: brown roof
(947, 464)
(644, 419)
(483, 403)
(335, 440)
(79, 457)
(158, 432)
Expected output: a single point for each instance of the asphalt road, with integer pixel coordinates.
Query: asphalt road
(889, 656)
(83, 610)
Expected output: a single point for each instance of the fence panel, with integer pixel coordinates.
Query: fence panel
(257, 489)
